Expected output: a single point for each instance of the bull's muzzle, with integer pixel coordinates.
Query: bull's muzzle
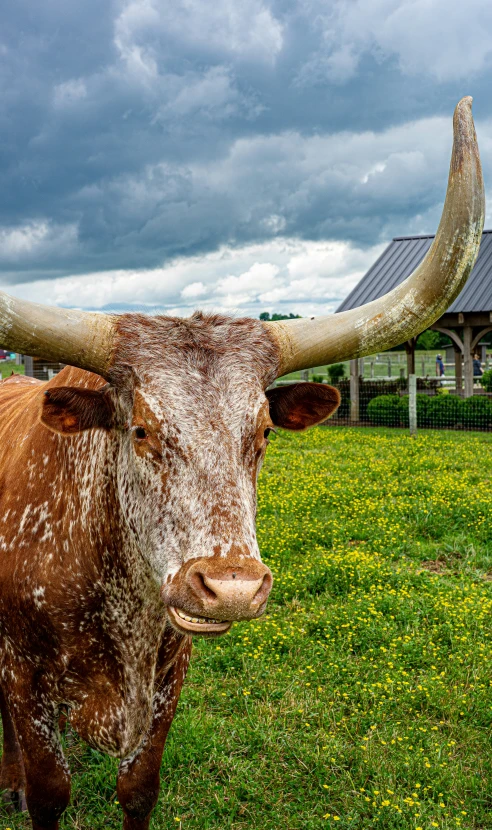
(209, 594)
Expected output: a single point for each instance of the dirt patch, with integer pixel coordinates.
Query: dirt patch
(435, 566)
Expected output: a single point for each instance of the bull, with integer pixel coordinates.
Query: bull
(128, 499)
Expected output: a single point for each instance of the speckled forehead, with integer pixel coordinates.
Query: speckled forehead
(232, 399)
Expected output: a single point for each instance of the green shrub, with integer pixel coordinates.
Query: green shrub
(423, 403)
(444, 411)
(422, 410)
(317, 378)
(476, 412)
(336, 371)
(486, 380)
(385, 410)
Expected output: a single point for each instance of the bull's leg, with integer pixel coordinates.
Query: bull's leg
(12, 775)
(138, 777)
(47, 773)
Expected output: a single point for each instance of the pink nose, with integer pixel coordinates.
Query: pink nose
(230, 593)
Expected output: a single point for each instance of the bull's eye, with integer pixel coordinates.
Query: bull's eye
(267, 432)
(140, 433)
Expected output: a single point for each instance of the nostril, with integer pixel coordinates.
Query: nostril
(199, 586)
(264, 589)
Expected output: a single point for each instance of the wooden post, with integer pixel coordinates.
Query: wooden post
(28, 366)
(305, 374)
(389, 367)
(372, 368)
(354, 390)
(468, 361)
(361, 367)
(412, 403)
(458, 369)
(410, 350)
(423, 368)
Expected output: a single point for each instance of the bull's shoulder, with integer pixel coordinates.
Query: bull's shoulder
(16, 388)
(16, 380)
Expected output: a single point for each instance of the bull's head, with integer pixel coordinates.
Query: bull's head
(187, 405)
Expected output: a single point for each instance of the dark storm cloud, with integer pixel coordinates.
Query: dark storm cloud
(132, 133)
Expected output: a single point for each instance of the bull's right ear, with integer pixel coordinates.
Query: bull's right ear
(68, 409)
(302, 405)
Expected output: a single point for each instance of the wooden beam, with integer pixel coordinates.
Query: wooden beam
(468, 360)
(480, 334)
(410, 350)
(472, 318)
(354, 390)
(458, 368)
(456, 340)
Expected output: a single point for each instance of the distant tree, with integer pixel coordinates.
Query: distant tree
(336, 371)
(429, 340)
(265, 315)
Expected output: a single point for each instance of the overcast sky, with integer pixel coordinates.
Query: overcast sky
(242, 155)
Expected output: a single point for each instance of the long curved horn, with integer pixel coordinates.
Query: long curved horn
(79, 338)
(426, 294)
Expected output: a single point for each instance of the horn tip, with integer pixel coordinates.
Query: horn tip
(463, 110)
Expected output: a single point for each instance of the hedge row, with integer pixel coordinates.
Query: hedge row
(438, 411)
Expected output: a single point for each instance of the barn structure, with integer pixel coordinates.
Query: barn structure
(465, 322)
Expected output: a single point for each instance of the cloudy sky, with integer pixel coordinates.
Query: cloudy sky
(242, 155)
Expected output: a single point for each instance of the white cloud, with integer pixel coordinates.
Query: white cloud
(283, 275)
(69, 93)
(193, 290)
(36, 240)
(260, 276)
(248, 29)
(447, 40)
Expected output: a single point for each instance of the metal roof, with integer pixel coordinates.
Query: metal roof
(403, 255)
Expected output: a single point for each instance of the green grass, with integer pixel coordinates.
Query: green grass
(7, 367)
(363, 698)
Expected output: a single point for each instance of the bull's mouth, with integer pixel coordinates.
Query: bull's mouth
(190, 624)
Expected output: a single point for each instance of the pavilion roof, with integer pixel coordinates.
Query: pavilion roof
(403, 255)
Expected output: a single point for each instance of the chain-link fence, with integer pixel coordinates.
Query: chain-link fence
(388, 404)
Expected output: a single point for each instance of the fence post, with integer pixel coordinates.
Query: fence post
(423, 368)
(372, 368)
(28, 366)
(412, 403)
(354, 390)
(389, 367)
(305, 374)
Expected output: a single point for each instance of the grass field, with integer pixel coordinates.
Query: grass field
(363, 698)
(7, 367)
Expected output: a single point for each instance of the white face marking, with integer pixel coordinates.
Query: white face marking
(193, 493)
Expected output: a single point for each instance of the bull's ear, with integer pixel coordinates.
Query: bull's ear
(68, 409)
(302, 405)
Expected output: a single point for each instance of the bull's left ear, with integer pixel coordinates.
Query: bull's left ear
(69, 409)
(302, 405)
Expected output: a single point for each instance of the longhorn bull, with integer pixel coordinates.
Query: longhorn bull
(128, 499)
